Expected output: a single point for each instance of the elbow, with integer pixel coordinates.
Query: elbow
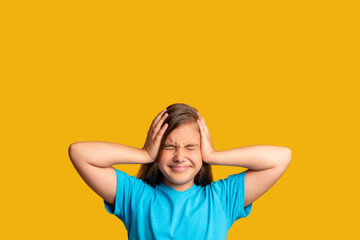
(73, 151)
(72, 146)
(283, 158)
(287, 156)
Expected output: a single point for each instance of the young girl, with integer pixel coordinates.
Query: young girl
(174, 196)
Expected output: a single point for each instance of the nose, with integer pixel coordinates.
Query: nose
(180, 155)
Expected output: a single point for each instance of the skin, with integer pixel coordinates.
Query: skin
(265, 163)
(94, 159)
(180, 157)
(186, 146)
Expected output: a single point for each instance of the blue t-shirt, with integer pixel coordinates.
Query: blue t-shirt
(161, 212)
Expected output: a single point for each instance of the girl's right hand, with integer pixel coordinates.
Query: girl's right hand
(154, 135)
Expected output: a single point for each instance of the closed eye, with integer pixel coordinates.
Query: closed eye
(169, 147)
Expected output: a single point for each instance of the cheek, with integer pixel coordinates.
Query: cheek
(196, 155)
(164, 156)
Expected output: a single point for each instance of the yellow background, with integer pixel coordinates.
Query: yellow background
(260, 72)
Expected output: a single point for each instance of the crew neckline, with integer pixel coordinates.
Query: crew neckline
(193, 188)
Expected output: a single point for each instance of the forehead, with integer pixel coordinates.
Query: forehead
(185, 133)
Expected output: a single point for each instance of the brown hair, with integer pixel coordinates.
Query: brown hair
(179, 113)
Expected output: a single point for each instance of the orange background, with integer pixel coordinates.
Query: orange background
(261, 72)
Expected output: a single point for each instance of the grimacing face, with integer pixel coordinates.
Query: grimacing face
(180, 157)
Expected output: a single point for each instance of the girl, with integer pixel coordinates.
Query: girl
(174, 196)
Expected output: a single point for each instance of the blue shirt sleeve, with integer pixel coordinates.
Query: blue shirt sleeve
(231, 192)
(128, 191)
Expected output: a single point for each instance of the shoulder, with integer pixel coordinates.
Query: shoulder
(131, 185)
(230, 181)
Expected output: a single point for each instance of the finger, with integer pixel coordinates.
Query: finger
(159, 124)
(161, 133)
(155, 121)
(202, 130)
(204, 124)
(205, 138)
(201, 118)
(205, 127)
(158, 117)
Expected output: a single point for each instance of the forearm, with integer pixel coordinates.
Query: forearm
(255, 157)
(106, 154)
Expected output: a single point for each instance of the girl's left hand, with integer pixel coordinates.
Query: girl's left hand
(206, 145)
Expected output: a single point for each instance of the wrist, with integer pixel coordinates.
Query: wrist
(211, 158)
(147, 158)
